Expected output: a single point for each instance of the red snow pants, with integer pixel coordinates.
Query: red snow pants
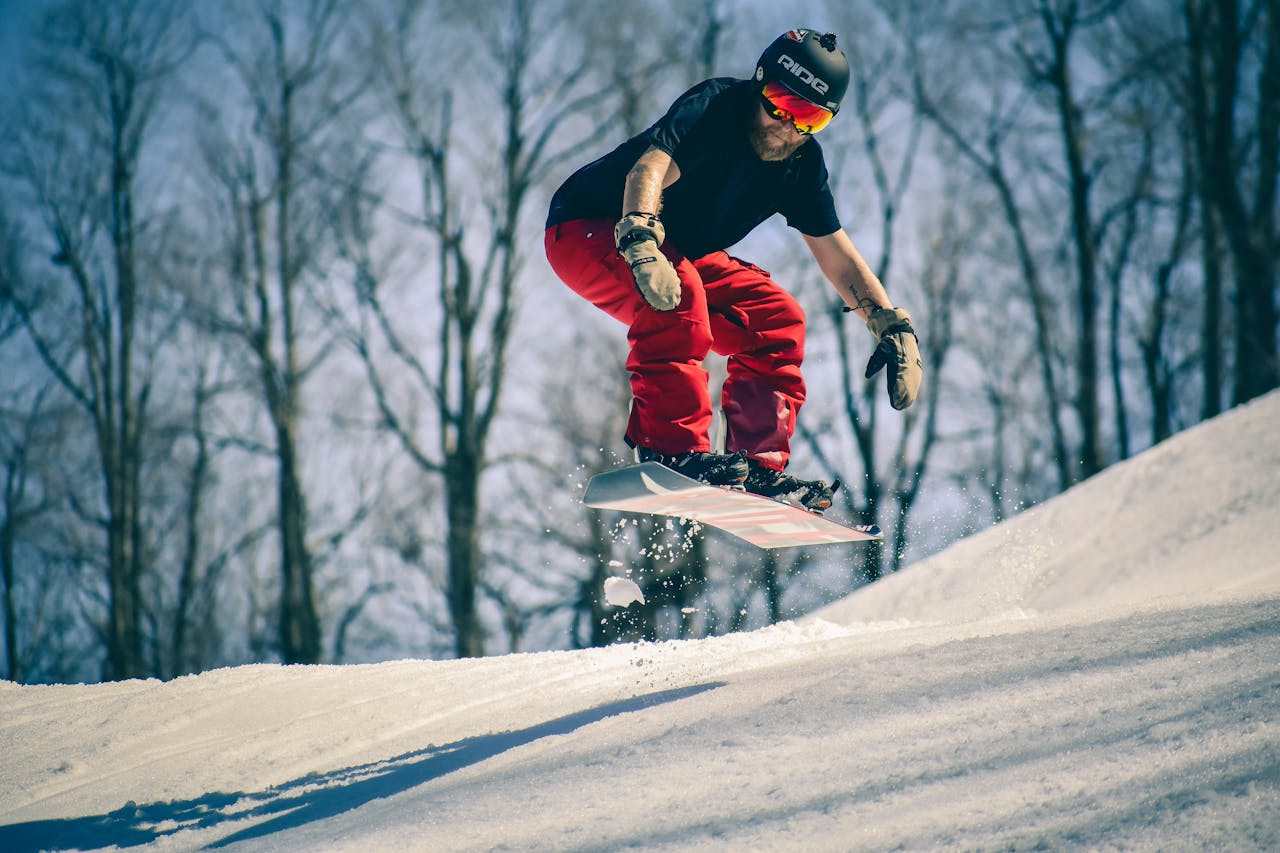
(726, 306)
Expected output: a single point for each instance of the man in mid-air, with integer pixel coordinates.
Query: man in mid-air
(642, 232)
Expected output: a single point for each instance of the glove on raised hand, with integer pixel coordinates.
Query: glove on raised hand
(638, 236)
(899, 351)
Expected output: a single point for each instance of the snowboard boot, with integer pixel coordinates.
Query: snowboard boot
(714, 469)
(813, 495)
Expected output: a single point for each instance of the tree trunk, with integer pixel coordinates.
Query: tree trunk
(1202, 131)
(188, 568)
(299, 619)
(1060, 32)
(1215, 39)
(13, 489)
(120, 428)
(1252, 234)
(462, 488)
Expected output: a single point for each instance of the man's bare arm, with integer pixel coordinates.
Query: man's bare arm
(639, 234)
(897, 350)
(844, 266)
(652, 173)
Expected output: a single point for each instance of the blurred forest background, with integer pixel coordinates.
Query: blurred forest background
(284, 375)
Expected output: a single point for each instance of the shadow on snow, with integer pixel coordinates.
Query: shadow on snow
(311, 798)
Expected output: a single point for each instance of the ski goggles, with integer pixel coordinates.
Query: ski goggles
(784, 105)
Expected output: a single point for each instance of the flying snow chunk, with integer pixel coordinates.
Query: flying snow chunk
(621, 591)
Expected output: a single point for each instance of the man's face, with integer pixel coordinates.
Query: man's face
(773, 139)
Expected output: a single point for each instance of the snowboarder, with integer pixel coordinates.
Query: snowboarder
(727, 155)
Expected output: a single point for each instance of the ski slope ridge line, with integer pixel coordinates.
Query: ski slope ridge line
(1198, 514)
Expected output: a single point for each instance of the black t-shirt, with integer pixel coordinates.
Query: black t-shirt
(725, 190)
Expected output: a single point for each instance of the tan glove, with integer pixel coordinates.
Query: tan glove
(898, 350)
(638, 236)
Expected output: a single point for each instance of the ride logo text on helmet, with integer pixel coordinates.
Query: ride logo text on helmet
(819, 85)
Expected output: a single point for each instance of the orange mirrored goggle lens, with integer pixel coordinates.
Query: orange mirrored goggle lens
(784, 105)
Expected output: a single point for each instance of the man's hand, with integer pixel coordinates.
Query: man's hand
(899, 351)
(638, 236)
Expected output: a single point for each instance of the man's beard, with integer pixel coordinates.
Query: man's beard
(770, 147)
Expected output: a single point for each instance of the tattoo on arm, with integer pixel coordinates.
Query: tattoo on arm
(863, 302)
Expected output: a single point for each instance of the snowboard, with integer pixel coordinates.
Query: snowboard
(764, 522)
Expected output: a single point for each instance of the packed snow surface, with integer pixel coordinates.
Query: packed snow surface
(1101, 672)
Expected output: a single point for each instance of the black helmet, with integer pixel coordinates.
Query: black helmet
(808, 64)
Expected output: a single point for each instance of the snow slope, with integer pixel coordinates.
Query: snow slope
(1101, 672)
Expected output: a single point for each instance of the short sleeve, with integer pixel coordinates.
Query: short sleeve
(809, 206)
(683, 116)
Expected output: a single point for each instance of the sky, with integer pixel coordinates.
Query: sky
(16, 18)
(1100, 672)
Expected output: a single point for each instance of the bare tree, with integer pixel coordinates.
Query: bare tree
(23, 502)
(1151, 337)
(585, 424)
(1095, 114)
(1219, 39)
(471, 210)
(85, 127)
(1161, 206)
(206, 539)
(280, 200)
(1049, 65)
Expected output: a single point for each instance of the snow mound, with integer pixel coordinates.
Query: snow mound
(1196, 515)
(1102, 672)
